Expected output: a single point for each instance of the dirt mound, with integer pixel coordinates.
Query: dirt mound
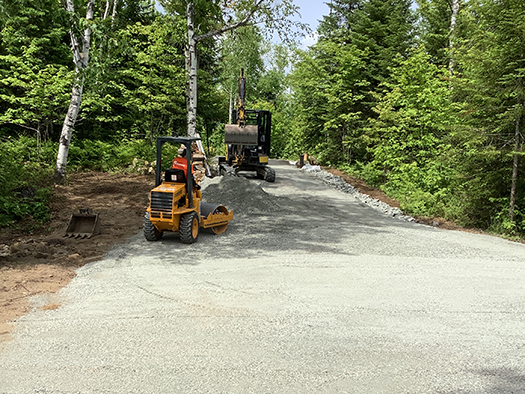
(245, 197)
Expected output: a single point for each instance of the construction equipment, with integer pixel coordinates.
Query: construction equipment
(176, 203)
(83, 224)
(248, 140)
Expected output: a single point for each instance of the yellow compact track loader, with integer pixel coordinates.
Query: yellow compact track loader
(176, 203)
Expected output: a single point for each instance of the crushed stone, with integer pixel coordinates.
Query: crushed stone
(240, 194)
(341, 185)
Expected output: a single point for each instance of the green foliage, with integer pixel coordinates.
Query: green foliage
(24, 183)
(435, 29)
(272, 83)
(35, 77)
(136, 88)
(380, 29)
(106, 156)
(409, 148)
(371, 96)
(500, 222)
(335, 80)
(329, 87)
(242, 48)
(490, 82)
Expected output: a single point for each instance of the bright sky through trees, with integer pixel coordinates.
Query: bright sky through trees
(312, 12)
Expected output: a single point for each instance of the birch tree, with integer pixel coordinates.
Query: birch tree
(80, 48)
(453, 21)
(272, 15)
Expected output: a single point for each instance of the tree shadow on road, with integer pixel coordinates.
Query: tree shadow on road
(266, 223)
(504, 381)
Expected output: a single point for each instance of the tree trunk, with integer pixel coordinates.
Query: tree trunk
(230, 107)
(81, 59)
(67, 129)
(191, 64)
(38, 141)
(453, 20)
(517, 148)
(191, 68)
(106, 13)
(114, 13)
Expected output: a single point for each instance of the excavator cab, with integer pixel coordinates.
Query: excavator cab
(248, 140)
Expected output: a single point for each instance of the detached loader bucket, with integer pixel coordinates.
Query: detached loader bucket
(83, 224)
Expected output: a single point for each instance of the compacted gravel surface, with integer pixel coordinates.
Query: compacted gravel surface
(308, 291)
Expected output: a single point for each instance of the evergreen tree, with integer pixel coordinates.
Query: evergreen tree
(492, 61)
(384, 29)
(329, 88)
(377, 32)
(340, 19)
(434, 28)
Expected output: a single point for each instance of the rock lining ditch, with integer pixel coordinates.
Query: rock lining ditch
(338, 183)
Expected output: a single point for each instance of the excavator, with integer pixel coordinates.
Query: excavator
(247, 140)
(176, 202)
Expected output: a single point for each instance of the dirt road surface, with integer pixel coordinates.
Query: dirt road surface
(307, 291)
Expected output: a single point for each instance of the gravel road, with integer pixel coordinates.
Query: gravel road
(308, 291)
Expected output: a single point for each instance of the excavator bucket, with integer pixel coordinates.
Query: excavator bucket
(215, 217)
(242, 135)
(83, 224)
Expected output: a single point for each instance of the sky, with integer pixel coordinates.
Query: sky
(312, 12)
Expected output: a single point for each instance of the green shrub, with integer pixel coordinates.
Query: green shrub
(24, 182)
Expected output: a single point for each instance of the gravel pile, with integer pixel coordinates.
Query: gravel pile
(241, 195)
(339, 183)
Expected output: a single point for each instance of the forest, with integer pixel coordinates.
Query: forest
(423, 99)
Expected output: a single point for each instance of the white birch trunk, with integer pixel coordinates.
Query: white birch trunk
(191, 65)
(453, 21)
(81, 59)
(114, 13)
(191, 68)
(106, 12)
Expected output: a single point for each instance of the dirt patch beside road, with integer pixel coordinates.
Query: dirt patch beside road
(46, 261)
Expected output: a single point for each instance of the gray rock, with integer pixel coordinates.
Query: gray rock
(341, 185)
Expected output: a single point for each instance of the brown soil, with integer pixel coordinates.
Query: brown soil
(46, 261)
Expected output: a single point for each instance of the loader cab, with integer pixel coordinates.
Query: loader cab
(175, 175)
